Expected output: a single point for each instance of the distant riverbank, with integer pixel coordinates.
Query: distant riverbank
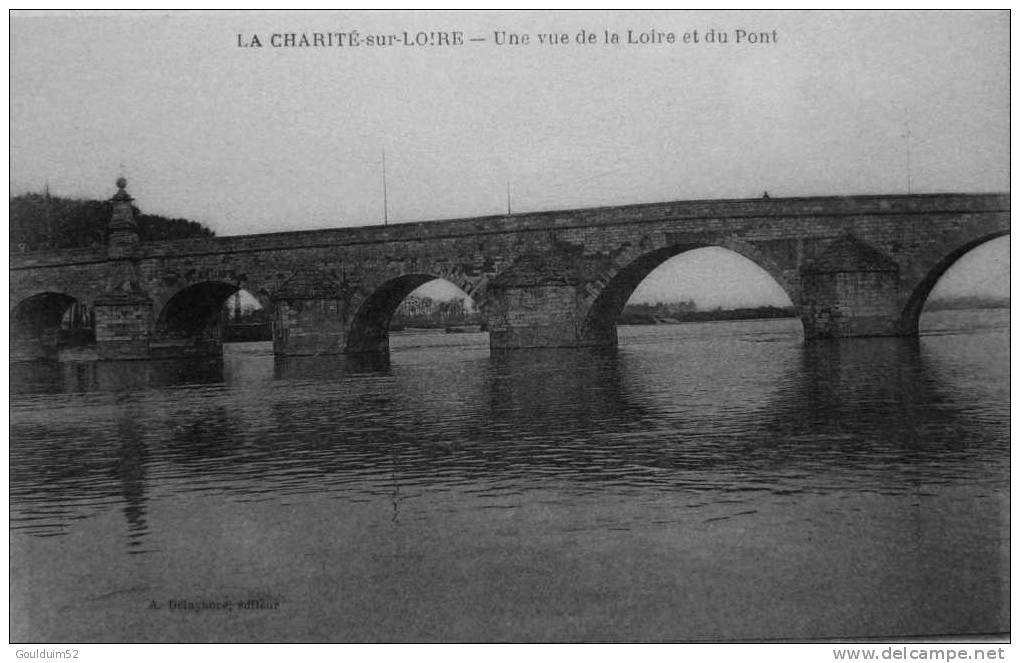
(647, 315)
(640, 314)
(644, 317)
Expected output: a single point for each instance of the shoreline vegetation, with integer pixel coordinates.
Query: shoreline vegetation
(256, 326)
(658, 314)
(41, 221)
(669, 314)
(652, 314)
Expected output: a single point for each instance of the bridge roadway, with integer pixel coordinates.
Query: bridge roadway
(852, 266)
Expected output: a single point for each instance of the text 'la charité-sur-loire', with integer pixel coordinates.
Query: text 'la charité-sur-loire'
(446, 38)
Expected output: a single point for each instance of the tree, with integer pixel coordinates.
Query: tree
(40, 221)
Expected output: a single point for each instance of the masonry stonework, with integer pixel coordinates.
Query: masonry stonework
(852, 266)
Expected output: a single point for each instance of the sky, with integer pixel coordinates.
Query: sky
(249, 140)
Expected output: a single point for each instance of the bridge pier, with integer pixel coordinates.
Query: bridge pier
(123, 323)
(309, 314)
(124, 309)
(304, 327)
(852, 305)
(851, 290)
(542, 316)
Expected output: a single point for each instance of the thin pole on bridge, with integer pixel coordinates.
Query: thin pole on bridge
(906, 140)
(385, 203)
(508, 198)
(49, 215)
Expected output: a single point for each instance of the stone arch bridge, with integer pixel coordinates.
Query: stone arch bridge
(852, 266)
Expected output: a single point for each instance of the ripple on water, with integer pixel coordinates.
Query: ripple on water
(696, 461)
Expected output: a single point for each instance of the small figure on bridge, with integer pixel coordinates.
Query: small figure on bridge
(765, 195)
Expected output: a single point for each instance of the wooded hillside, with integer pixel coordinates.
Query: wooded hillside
(40, 221)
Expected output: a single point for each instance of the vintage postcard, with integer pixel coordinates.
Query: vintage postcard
(510, 327)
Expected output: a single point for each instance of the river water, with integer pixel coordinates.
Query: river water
(713, 481)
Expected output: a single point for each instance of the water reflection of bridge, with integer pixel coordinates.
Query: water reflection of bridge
(874, 411)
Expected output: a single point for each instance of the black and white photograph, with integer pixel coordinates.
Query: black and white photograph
(408, 326)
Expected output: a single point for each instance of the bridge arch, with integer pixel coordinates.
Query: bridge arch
(911, 314)
(193, 315)
(181, 292)
(194, 306)
(43, 323)
(38, 313)
(630, 268)
(369, 329)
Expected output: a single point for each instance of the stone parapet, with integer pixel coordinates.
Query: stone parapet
(852, 266)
